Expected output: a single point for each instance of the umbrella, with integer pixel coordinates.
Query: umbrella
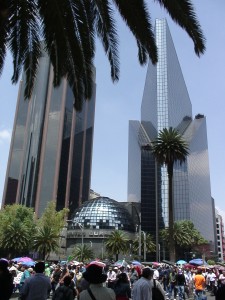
(121, 262)
(25, 259)
(97, 263)
(198, 261)
(181, 262)
(16, 259)
(29, 263)
(135, 262)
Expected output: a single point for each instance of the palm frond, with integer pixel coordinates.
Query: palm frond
(182, 12)
(137, 18)
(4, 30)
(24, 39)
(106, 31)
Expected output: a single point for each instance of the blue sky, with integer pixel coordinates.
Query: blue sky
(118, 103)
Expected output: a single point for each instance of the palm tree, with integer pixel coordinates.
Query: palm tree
(185, 236)
(150, 245)
(82, 253)
(15, 238)
(69, 28)
(167, 149)
(45, 241)
(117, 243)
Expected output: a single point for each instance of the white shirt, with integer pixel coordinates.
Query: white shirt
(111, 275)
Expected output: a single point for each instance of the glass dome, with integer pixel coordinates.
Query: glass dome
(102, 213)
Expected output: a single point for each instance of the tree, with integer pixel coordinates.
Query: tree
(69, 30)
(52, 218)
(82, 253)
(16, 228)
(45, 240)
(16, 238)
(169, 148)
(185, 236)
(150, 245)
(117, 243)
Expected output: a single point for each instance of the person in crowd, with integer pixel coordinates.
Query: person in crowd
(55, 277)
(64, 291)
(95, 276)
(220, 293)
(165, 279)
(6, 281)
(180, 283)
(172, 284)
(122, 287)
(142, 289)
(189, 283)
(211, 277)
(199, 282)
(26, 274)
(38, 286)
(133, 275)
(111, 278)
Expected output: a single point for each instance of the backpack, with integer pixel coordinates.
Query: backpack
(156, 293)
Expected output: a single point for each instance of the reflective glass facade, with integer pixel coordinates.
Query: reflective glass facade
(166, 104)
(50, 140)
(103, 213)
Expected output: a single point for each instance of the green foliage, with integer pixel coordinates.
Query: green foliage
(185, 235)
(150, 245)
(117, 243)
(211, 262)
(169, 147)
(82, 253)
(45, 240)
(16, 228)
(69, 30)
(52, 218)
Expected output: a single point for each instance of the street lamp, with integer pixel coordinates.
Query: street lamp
(82, 234)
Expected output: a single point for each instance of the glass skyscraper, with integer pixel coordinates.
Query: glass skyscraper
(165, 104)
(51, 148)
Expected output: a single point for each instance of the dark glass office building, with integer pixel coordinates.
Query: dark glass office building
(166, 104)
(51, 148)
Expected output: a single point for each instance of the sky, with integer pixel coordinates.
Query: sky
(118, 103)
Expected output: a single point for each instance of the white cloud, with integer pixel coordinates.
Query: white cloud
(5, 135)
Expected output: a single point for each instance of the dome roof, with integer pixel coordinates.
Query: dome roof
(103, 213)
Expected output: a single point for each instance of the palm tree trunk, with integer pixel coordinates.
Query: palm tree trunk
(171, 214)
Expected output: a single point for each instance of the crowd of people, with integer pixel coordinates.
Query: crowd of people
(97, 280)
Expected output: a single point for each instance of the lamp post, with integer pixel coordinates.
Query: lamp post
(144, 233)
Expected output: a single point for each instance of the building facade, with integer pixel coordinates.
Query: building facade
(165, 104)
(220, 237)
(51, 147)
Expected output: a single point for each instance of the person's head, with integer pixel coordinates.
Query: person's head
(3, 265)
(67, 280)
(147, 273)
(110, 269)
(39, 267)
(199, 271)
(94, 274)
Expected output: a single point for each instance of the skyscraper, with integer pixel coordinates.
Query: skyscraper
(166, 104)
(51, 148)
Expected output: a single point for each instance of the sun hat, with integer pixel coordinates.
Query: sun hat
(94, 274)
